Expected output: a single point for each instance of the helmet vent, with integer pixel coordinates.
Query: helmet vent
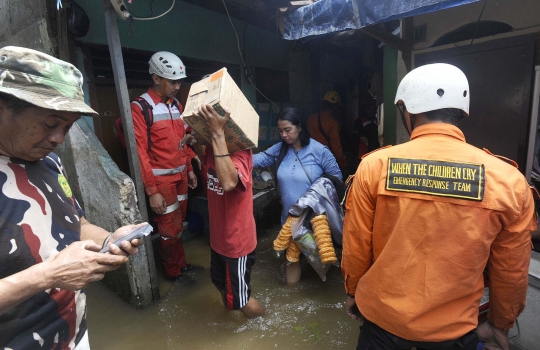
(440, 92)
(174, 73)
(465, 93)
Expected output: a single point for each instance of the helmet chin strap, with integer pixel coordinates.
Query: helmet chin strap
(407, 122)
(163, 97)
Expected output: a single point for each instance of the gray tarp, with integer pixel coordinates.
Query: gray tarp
(329, 16)
(322, 198)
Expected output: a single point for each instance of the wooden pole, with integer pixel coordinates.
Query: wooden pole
(117, 61)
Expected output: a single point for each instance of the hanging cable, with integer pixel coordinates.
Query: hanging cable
(478, 21)
(244, 68)
(156, 17)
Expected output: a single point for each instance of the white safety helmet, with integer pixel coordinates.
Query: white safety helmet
(431, 87)
(167, 65)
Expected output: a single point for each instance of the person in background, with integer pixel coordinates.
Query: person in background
(233, 236)
(366, 129)
(48, 251)
(323, 126)
(422, 221)
(165, 164)
(299, 161)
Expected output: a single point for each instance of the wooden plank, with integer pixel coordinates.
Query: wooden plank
(141, 296)
(387, 38)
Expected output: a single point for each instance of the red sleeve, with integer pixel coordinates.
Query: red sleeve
(243, 162)
(141, 135)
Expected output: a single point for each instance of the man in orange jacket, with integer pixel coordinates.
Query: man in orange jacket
(324, 127)
(165, 163)
(424, 219)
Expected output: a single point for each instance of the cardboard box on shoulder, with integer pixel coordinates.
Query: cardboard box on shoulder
(220, 90)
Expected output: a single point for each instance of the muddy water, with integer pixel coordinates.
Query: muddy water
(190, 314)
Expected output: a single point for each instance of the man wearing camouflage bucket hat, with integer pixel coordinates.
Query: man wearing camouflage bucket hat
(48, 250)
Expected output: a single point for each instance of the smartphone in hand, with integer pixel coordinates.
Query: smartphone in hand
(133, 234)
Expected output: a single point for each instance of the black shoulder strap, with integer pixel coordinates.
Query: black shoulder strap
(146, 110)
(324, 134)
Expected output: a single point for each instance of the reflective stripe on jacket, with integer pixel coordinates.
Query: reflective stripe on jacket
(166, 132)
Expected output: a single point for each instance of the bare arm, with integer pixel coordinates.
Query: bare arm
(226, 172)
(98, 235)
(72, 269)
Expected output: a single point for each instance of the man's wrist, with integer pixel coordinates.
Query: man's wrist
(218, 135)
(106, 240)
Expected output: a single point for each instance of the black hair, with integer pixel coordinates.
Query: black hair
(14, 104)
(294, 116)
(446, 115)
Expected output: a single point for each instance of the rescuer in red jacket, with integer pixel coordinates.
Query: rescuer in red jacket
(165, 164)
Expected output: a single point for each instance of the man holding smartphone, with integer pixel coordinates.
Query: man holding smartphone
(48, 250)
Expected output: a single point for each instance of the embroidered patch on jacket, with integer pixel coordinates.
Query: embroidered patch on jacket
(437, 178)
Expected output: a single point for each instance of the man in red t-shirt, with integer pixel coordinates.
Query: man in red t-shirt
(233, 236)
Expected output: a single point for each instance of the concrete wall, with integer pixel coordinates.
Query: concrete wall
(108, 198)
(191, 31)
(25, 23)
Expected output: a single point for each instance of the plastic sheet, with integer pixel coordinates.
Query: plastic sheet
(331, 16)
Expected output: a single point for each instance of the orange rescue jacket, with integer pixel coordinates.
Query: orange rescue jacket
(422, 221)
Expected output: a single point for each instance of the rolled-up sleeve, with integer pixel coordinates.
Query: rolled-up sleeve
(268, 157)
(329, 164)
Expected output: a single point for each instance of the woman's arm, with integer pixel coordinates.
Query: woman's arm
(329, 164)
(267, 157)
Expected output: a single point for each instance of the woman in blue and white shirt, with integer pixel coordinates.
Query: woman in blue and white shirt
(304, 160)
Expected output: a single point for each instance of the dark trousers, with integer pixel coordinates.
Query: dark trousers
(373, 337)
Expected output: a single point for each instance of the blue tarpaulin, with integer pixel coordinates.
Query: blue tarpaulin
(329, 16)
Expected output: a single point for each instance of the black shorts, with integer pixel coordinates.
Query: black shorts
(232, 276)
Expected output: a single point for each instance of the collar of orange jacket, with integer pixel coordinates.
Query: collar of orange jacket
(156, 98)
(438, 128)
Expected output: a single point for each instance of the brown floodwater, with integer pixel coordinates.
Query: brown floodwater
(191, 315)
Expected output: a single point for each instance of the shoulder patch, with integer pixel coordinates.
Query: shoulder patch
(378, 149)
(436, 178)
(504, 159)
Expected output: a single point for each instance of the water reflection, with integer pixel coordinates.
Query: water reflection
(191, 315)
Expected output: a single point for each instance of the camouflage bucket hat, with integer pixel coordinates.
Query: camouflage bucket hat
(42, 80)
